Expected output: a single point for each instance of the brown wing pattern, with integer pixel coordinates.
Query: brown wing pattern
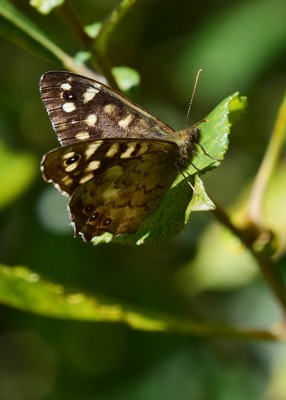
(114, 184)
(82, 109)
(122, 196)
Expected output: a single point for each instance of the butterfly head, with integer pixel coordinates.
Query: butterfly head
(187, 142)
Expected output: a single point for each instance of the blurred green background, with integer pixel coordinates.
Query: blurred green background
(203, 272)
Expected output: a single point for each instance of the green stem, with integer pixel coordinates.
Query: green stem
(103, 37)
(252, 234)
(267, 167)
(110, 24)
(267, 267)
(99, 62)
(14, 16)
(67, 14)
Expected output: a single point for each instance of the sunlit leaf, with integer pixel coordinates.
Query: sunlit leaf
(27, 291)
(169, 219)
(45, 6)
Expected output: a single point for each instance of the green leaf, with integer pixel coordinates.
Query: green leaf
(126, 78)
(92, 30)
(17, 172)
(45, 6)
(174, 211)
(27, 291)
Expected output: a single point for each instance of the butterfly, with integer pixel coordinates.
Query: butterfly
(116, 161)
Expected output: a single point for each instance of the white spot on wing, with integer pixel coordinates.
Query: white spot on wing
(86, 178)
(68, 107)
(127, 153)
(89, 94)
(93, 165)
(65, 86)
(126, 121)
(71, 167)
(113, 149)
(67, 180)
(91, 119)
(109, 108)
(82, 135)
(143, 149)
(68, 155)
(91, 149)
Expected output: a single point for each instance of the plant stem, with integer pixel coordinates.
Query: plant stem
(267, 267)
(103, 37)
(267, 166)
(111, 22)
(100, 62)
(67, 14)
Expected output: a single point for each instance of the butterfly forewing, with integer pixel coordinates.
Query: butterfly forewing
(83, 109)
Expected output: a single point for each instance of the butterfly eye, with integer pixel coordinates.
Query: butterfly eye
(94, 216)
(72, 160)
(68, 96)
(107, 221)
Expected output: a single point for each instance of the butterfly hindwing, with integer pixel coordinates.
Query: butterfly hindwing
(71, 166)
(123, 195)
(113, 184)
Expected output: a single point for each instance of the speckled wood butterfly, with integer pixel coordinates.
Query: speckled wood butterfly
(116, 162)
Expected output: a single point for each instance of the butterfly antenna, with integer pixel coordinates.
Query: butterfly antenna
(193, 95)
(203, 120)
